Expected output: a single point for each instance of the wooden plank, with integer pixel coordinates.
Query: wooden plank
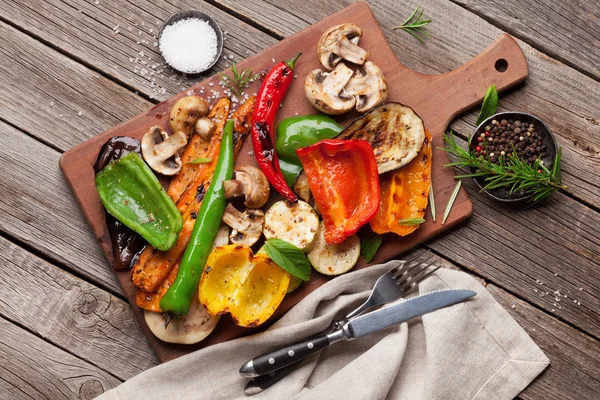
(574, 371)
(72, 314)
(86, 31)
(567, 31)
(61, 89)
(38, 208)
(564, 98)
(34, 369)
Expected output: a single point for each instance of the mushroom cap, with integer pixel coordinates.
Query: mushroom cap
(325, 90)
(246, 226)
(185, 112)
(369, 87)
(341, 42)
(160, 150)
(251, 183)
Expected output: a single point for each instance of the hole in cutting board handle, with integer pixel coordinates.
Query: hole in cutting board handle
(501, 65)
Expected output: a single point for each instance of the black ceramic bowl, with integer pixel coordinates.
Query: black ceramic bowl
(503, 194)
(181, 15)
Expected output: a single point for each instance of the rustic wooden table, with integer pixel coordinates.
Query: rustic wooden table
(83, 66)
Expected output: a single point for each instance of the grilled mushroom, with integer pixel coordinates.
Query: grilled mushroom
(325, 90)
(251, 183)
(160, 150)
(341, 42)
(246, 226)
(205, 128)
(186, 112)
(368, 86)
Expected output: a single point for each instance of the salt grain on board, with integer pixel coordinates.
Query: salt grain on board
(189, 45)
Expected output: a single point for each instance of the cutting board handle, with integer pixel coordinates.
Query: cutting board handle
(502, 63)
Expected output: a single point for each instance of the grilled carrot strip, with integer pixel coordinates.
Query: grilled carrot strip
(151, 301)
(404, 193)
(198, 148)
(155, 266)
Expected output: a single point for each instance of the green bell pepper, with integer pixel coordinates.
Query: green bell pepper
(131, 193)
(297, 132)
(178, 297)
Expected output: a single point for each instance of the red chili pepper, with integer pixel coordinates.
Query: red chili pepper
(343, 178)
(270, 96)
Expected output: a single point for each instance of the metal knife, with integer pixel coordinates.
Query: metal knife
(363, 325)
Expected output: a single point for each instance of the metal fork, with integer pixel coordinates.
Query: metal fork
(389, 287)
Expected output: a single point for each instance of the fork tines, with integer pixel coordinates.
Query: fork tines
(414, 270)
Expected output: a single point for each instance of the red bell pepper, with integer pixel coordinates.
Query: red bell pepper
(343, 178)
(269, 98)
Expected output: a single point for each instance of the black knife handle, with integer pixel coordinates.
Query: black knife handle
(263, 382)
(277, 359)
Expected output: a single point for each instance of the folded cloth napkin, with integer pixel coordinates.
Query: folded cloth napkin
(472, 350)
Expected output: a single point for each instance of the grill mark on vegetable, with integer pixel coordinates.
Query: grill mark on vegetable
(200, 192)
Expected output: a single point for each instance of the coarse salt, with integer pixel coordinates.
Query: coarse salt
(189, 45)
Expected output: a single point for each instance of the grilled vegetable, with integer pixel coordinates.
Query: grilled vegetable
(199, 148)
(334, 259)
(343, 178)
(296, 132)
(191, 328)
(270, 96)
(179, 295)
(395, 132)
(295, 223)
(250, 287)
(404, 194)
(132, 194)
(152, 267)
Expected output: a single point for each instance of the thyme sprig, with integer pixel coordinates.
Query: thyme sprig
(238, 80)
(415, 25)
(511, 171)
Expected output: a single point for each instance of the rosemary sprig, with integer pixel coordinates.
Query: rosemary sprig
(410, 221)
(238, 80)
(510, 171)
(415, 25)
(451, 201)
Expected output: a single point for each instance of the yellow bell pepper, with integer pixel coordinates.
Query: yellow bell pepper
(249, 287)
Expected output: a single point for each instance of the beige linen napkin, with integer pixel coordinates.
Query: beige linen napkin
(473, 350)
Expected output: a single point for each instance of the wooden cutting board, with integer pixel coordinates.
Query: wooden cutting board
(436, 98)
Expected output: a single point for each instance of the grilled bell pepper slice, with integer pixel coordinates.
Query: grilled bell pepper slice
(343, 178)
(132, 194)
(249, 287)
(293, 133)
(405, 193)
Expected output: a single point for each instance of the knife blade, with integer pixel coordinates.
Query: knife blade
(388, 315)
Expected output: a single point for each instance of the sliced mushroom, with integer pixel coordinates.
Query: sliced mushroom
(205, 128)
(246, 226)
(251, 183)
(302, 189)
(185, 112)
(222, 238)
(160, 150)
(341, 42)
(368, 86)
(325, 90)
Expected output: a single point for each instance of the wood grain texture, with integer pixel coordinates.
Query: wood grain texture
(574, 371)
(38, 209)
(61, 89)
(568, 31)
(86, 31)
(562, 97)
(71, 313)
(31, 368)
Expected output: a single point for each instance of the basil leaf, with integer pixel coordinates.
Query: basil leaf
(369, 244)
(200, 161)
(410, 221)
(489, 105)
(288, 257)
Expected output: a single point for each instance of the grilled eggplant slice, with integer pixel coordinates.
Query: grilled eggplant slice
(395, 132)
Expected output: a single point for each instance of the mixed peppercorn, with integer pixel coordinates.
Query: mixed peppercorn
(505, 137)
